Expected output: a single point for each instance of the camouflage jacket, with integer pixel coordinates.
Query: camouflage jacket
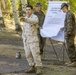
(69, 27)
(41, 17)
(30, 33)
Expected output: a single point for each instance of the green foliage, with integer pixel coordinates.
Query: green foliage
(18, 4)
(43, 3)
(19, 7)
(9, 5)
(73, 5)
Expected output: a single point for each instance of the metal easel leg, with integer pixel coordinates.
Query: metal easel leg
(63, 48)
(54, 49)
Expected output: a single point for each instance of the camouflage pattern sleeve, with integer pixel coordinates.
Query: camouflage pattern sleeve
(32, 21)
(70, 21)
(43, 17)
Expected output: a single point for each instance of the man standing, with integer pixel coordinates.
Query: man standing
(31, 41)
(69, 30)
(41, 18)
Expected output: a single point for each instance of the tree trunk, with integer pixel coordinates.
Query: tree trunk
(17, 23)
(1, 18)
(24, 3)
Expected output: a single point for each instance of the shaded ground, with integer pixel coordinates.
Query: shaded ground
(11, 43)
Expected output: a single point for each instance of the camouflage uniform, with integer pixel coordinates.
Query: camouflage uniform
(31, 41)
(41, 18)
(69, 30)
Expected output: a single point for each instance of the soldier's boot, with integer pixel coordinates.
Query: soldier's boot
(38, 70)
(31, 69)
(73, 64)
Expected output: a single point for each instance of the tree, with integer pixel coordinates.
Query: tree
(2, 4)
(15, 12)
(23, 3)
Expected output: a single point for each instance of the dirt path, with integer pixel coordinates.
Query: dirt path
(11, 43)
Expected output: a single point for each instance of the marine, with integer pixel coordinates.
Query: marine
(69, 31)
(41, 16)
(31, 41)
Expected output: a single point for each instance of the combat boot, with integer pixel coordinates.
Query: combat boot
(73, 64)
(31, 69)
(38, 70)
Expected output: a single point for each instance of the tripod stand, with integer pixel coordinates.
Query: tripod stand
(63, 47)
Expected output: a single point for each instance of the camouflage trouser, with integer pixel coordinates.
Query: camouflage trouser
(71, 48)
(32, 53)
(42, 41)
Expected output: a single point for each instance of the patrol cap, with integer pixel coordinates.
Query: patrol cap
(64, 4)
(38, 4)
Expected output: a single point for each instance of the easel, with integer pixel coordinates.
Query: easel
(62, 48)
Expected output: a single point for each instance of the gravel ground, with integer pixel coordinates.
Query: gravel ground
(11, 43)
